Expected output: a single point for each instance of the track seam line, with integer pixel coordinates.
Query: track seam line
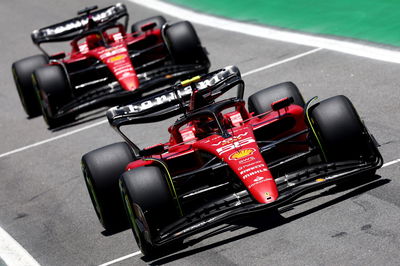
(281, 62)
(121, 258)
(391, 162)
(52, 139)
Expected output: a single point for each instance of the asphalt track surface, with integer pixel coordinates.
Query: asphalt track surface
(44, 204)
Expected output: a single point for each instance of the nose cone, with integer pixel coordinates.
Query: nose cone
(129, 82)
(264, 190)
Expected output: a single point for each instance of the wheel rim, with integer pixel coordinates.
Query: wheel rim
(134, 220)
(93, 196)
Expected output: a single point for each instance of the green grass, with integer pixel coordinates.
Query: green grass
(370, 20)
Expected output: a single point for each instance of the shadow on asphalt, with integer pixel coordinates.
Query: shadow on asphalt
(262, 222)
(83, 119)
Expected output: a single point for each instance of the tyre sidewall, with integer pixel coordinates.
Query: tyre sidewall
(103, 167)
(22, 71)
(339, 128)
(260, 102)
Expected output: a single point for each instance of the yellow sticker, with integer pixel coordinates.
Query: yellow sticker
(241, 154)
(320, 180)
(117, 58)
(188, 81)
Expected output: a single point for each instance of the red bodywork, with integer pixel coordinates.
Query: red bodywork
(240, 151)
(114, 53)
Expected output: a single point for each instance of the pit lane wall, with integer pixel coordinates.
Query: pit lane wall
(366, 20)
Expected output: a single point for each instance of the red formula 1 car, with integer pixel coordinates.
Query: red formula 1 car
(107, 65)
(223, 160)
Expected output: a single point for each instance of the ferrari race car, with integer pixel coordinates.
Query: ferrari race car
(222, 160)
(107, 65)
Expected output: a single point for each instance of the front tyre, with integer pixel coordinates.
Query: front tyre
(54, 92)
(22, 71)
(148, 204)
(340, 131)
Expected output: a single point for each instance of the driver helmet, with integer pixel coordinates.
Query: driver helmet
(94, 40)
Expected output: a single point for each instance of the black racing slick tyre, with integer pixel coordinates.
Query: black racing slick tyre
(54, 91)
(158, 20)
(22, 72)
(102, 169)
(148, 203)
(260, 102)
(184, 45)
(339, 129)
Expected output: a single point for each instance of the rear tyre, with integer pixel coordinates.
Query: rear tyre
(340, 130)
(159, 20)
(101, 169)
(148, 203)
(184, 45)
(54, 92)
(22, 72)
(260, 102)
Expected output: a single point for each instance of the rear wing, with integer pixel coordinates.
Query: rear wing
(174, 100)
(69, 29)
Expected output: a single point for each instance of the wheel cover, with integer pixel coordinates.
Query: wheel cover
(137, 221)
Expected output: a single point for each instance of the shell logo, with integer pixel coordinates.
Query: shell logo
(117, 58)
(241, 154)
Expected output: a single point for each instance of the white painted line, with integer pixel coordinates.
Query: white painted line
(281, 62)
(13, 253)
(121, 259)
(390, 163)
(273, 34)
(53, 139)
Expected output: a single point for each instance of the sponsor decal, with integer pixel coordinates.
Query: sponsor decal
(117, 58)
(158, 100)
(258, 178)
(246, 160)
(249, 164)
(112, 52)
(268, 196)
(251, 168)
(241, 154)
(79, 23)
(235, 145)
(259, 182)
(230, 140)
(255, 172)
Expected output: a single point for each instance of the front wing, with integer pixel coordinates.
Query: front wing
(289, 186)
